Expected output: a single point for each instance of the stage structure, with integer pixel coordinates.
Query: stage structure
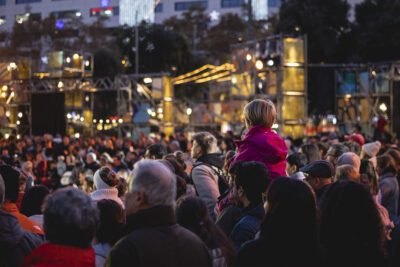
(366, 92)
(124, 104)
(277, 68)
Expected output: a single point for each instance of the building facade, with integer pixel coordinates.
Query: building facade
(18, 11)
(129, 12)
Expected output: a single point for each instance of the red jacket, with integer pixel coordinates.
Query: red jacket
(60, 256)
(263, 145)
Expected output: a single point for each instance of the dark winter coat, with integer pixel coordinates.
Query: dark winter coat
(155, 239)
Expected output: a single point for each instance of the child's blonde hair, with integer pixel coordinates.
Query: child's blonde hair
(260, 112)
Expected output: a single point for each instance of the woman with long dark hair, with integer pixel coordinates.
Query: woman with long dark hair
(388, 185)
(311, 151)
(352, 233)
(288, 234)
(191, 213)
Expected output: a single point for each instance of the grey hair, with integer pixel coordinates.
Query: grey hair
(2, 190)
(350, 158)
(70, 218)
(156, 181)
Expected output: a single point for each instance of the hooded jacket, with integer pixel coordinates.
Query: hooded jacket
(15, 243)
(263, 145)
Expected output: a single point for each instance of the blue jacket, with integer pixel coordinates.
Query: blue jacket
(248, 226)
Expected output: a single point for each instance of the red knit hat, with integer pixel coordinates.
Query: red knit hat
(358, 138)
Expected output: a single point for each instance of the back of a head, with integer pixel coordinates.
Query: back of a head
(396, 156)
(259, 112)
(105, 178)
(155, 151)
(368, 176)
(311, 151)
(206, 142)
(253, 177)
(337, 150)
(192, 213)
(350, 158)
(156, 181)
(386, 164)
(351, 227)
(11, 182)
(288, 201)
(297, 159)
(353, 146)
(370, 150)
(347, 172)
(70, 218)
(33, 200)
(111, 221)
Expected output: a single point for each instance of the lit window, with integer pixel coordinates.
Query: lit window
(183, 6)
(2, 20)
(104, 11)
(231, 3)
(67, 14)
(21, 18)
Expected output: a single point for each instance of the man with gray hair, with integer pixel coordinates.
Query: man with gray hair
(350, 158)
(153, 237)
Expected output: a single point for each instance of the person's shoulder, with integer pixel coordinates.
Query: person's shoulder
(250, 253)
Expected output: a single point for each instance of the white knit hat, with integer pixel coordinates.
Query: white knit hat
(98, 182)
(104, 191)
(372, 149)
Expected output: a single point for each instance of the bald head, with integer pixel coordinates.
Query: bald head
(156, 181)
(350, 158)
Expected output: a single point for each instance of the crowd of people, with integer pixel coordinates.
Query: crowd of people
(201, 200)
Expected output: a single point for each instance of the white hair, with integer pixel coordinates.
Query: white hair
(156, 181)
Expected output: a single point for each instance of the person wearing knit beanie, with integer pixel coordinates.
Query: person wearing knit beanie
(370, 150)
(105, 182)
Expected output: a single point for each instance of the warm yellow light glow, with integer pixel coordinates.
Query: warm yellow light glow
(259, 65)
(293, 64)
(147, 80)
(383, 107)
(248, 57)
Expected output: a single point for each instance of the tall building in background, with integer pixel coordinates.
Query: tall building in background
(133, 12)
(129, 12)
(260, 9)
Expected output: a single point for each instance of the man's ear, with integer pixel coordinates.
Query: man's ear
(139, 198)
